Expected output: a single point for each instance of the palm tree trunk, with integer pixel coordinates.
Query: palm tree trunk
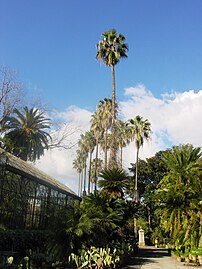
(106, 148)
(188, 230)
(200, 237)
(149, 216)
(84, 181)
(113, 96)
(113, 146)
(136, 196)
(121, 156)
(92, 188)
(79, 185)
(89, 177)
(96, 157)
(135, 228)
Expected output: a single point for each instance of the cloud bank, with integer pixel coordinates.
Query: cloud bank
(175, 119)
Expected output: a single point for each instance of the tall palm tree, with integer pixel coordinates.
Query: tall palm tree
(97, 130)
(110, 50)
(27, 132)
(77, 164)
(105, 112)
(90, 143)
(84, 155)
(140, 130)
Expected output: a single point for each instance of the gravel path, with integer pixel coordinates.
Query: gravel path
(152, 258)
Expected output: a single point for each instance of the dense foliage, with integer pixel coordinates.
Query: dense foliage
(170, 191)
(179, 196)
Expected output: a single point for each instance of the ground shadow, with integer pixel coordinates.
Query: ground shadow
(145, 256)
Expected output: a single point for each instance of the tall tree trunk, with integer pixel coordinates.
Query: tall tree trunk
(105, 148)
(135, 229)
(121, 156)
(113, 96)
(136, 195)
(84, 181)
(188, 230)
(96, 157)
(92, 188)
(113, 146)
(149, 215)
(89, 175)
(79, 185)
(200, 237)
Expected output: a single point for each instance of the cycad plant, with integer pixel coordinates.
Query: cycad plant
(113, 182)
(179, 193)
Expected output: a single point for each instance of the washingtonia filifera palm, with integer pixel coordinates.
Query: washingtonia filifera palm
(78, 165)
(105, 112)
(110, 50)
(97, 131)
(89, 142)
(84, 155)
(140, 130)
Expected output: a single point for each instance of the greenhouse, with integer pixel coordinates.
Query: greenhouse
(29, 198)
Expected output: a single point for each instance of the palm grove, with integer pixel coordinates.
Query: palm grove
(163, 195)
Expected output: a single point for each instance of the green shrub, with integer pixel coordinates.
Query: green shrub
(22, 240)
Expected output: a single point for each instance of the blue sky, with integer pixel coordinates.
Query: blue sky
(51, 44)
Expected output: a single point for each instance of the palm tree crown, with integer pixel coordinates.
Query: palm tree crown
(27, 133)
(140, 130)
(111, 48)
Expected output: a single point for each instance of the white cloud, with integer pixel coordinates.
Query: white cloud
(175, 118)
(74, 115)
(57, 162)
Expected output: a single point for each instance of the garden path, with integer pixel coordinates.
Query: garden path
(155, 258)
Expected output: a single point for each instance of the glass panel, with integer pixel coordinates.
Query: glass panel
(26, 204)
